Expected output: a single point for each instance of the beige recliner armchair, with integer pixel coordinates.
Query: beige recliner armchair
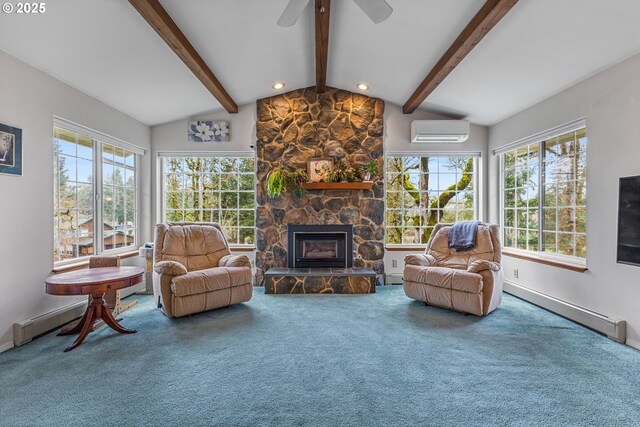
(194, 270)
(469, 281)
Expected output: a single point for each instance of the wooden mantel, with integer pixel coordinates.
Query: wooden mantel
(365, 185)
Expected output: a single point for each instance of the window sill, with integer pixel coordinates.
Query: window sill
(70, 267)
(123, 253)
(242, 248)
(405, 248)
(85, 263)
(579, 268)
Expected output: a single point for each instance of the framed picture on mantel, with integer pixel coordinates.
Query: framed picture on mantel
(318, 169)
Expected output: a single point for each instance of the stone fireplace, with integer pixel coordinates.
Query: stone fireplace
(293, 128)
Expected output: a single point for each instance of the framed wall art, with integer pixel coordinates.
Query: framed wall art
(208, 131)
(10, 150)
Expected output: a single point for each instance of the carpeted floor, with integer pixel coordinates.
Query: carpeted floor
(365, 360)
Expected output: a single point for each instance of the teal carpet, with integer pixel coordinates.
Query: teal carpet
(365, 360)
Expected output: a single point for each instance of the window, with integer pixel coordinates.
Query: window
(94, 182)
(544, 195)
(217, 189)
(73, 195)
(424, 191)
(119, 197)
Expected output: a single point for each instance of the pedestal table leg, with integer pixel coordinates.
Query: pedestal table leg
(97, 309)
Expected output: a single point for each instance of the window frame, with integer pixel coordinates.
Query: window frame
(539, 139)
(136, 176)
(477, 191)
(164, 156)
(98, 140)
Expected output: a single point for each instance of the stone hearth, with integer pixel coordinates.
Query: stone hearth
(295, 127)
(320, 281)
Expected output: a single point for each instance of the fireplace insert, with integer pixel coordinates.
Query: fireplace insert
(319, 246)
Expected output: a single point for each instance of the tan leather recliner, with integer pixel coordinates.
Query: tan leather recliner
(469, 281)
(194, 270)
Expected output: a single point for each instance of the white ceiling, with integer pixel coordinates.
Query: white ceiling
(105, 49)
(538, 49)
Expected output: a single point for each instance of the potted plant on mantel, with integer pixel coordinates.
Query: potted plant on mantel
(370, 170)
(280, 180)
(343, 172)
(342, 176)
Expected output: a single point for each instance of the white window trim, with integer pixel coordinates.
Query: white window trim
(99, 139)
(97, 135)
(542, 136)
(477, 167)
(563, 259)
(537, 138)
(427, 153)
(206, 154)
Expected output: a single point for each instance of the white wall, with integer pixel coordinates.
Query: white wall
(29, 100)
(610, 102)
(397, 137)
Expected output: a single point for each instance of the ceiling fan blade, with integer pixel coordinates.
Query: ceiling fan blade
(292, 12)
(376, 10)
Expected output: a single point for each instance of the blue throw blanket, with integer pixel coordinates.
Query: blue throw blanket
(462, 235)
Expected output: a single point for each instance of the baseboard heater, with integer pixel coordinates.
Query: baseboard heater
(26, 330)
(393, 279)
(615, 329)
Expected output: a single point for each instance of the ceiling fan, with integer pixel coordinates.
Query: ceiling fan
(376, 10)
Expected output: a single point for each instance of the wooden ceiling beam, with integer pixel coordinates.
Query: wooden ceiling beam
(153, 12)
(322, 15)
(486, 18)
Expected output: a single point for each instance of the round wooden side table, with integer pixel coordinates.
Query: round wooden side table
(94, 282)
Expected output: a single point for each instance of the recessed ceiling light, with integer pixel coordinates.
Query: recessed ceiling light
(363, 86)
(278, 85)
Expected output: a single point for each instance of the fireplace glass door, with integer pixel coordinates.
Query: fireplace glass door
(322, 250)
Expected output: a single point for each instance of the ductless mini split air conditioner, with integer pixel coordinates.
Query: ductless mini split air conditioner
(439, 131)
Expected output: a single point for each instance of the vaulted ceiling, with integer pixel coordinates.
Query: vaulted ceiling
(107, 50)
